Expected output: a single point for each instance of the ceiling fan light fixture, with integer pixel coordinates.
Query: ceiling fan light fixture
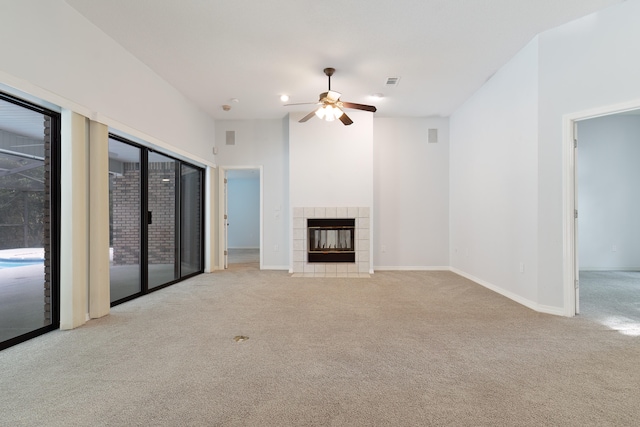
(329, 114)
(328, 110)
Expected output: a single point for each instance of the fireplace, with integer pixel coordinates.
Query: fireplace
(358, 266)
(331, 240)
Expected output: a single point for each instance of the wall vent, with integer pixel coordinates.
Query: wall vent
(231, 137)
(392, 81)
(433, 136)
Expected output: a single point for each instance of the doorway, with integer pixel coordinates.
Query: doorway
(603, 280)
(242, 217)
(243, 210)
(608, 228)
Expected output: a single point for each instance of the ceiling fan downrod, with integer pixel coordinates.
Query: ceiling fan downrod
(329, 72)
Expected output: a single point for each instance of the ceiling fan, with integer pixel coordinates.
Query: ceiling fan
(330, 107)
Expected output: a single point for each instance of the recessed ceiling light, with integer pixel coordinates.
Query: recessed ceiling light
(284, 98)
(377, 96)
(236, 100)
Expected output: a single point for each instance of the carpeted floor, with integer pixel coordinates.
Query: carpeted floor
(400, 348)
(243, 256)
(612, 298)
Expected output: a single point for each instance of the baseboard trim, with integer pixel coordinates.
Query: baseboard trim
(275, 267)
(558, 311)
(409, 268)
(609, 268)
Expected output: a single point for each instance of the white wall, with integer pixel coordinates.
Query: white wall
(608, 193)
(411, 194)
(263, 143)
(493, 181)
(506, 184)
(589, 63)
(243, 208)
(57, 55)
(331, 164)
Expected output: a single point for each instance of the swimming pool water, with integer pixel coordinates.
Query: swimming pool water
(9, 264)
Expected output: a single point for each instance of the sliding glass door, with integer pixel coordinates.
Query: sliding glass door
(125, 224)
(190, 220)
(29, 147)
(162, 220)
(156, 219)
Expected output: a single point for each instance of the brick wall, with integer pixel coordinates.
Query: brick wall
(125, 199)
(126, 214)
(162, 204)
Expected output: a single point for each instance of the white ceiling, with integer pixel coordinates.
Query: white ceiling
(255, 50)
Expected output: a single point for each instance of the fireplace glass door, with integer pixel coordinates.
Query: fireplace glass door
(331, 240)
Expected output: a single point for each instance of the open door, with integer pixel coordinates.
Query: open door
(226, 222)
(576, 264)
(223, 221)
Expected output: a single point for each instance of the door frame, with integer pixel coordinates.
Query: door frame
(222, 209)
(569, 195)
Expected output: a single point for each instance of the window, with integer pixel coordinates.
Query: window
(29, 203)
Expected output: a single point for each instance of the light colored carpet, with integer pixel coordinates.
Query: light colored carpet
(243, 256)
(400, 348)
(612, 298)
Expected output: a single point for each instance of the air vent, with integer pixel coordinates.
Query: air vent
(393, 81)
(231, 137)
(433, 136)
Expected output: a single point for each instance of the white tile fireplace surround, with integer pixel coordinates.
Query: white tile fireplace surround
(360, 268)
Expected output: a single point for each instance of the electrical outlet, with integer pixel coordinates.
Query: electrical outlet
(383, 248)
(276, 248)
(522, 267)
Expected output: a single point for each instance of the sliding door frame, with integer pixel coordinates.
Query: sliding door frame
(54, 211)
(144, 224)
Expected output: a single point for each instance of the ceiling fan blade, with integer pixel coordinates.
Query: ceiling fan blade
(355, 106)
(307, 117)
(345, 120)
